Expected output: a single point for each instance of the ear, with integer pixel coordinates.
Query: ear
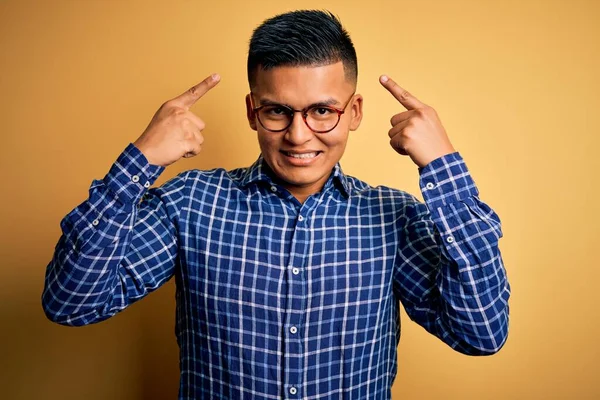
(356, 111)
(250, 113)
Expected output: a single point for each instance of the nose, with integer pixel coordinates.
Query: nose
(298, 132)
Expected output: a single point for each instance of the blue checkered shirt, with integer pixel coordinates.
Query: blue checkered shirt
(278, 299)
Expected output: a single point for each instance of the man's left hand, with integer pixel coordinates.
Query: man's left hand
(417, 132)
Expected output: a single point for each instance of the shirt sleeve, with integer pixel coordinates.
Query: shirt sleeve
(449, 273)
(117, 246)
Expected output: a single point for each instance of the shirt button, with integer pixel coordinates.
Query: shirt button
(430, 185)
(295, 271)
(293, 329)
(135, 178)
(95, 222)
(293, 390)
(147, 184)
(450, 239)
(273, 189)
(300, 218)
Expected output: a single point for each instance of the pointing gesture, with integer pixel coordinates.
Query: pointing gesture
(417, 132)
(193, 94)
(175, 131)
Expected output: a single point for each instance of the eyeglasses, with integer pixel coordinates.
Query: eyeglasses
(319, 118)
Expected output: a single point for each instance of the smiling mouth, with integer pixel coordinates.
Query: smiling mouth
(302, 156)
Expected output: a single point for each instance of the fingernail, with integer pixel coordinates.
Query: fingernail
(384, 78)
(215, 77)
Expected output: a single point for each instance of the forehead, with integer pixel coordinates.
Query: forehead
(299, 85)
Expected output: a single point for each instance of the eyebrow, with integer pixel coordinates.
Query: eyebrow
(328, 102)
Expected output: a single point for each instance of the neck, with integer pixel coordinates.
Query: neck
(301, 193)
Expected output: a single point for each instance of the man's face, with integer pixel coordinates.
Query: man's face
(301, 158)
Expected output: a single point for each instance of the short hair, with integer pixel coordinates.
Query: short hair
(301, 38)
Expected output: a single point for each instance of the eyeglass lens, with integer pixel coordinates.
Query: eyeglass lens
(319, 118)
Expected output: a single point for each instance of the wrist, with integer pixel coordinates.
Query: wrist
(146, 153)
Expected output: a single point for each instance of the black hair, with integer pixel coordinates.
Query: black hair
(301, 38)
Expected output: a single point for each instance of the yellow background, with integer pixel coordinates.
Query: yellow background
(515, 83)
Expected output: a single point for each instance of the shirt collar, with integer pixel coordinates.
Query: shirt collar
(260, 171)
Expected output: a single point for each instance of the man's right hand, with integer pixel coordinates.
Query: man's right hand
(175, 131)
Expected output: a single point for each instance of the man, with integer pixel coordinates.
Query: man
(289, 273)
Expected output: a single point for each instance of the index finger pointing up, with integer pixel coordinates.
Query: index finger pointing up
(406, 99)
(191, 96)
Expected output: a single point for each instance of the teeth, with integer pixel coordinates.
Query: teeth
(304, 155)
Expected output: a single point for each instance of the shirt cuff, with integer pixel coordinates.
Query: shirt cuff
(131, 175)
(446, 180)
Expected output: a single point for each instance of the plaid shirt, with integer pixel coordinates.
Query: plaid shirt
(277, 299)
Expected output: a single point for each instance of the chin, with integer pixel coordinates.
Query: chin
(299, 179)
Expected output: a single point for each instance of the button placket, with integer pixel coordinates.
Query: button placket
(296, 309)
